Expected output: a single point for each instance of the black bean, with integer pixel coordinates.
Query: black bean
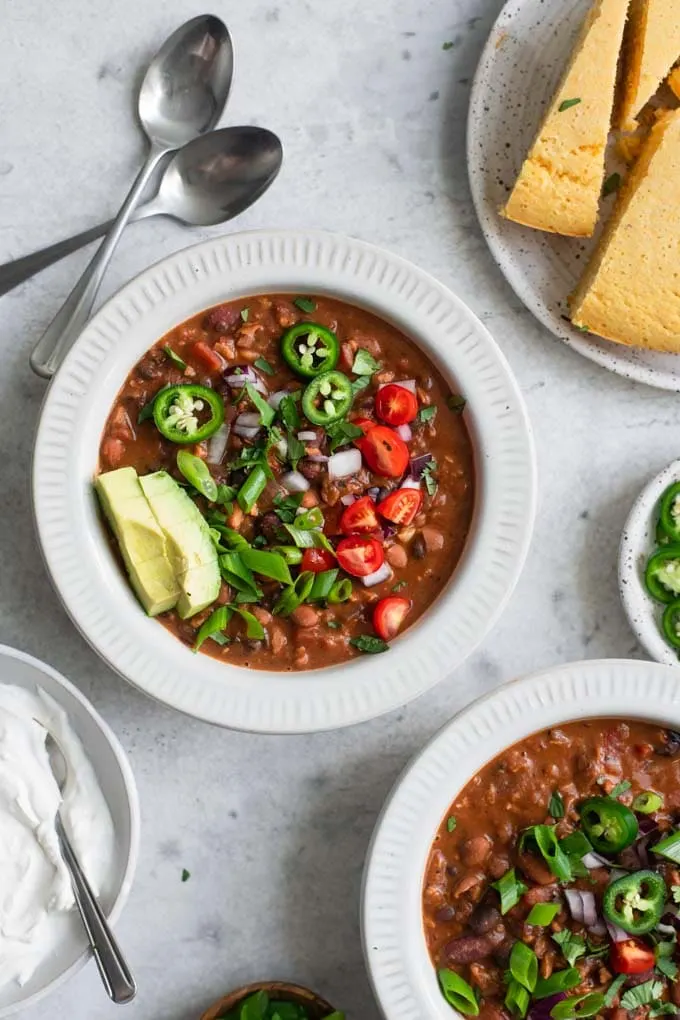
(445, 914)
(672, 745)
(484, 918)
(311, 469)
(418, 547)
(268, 525)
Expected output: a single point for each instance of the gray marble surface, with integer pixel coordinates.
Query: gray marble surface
(372, 110)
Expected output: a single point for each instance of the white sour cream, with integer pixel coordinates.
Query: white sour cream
(36, 900)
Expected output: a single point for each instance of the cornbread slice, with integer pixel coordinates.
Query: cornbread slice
(558, 188)
(674, 81)
(652, 48)
(630, 292)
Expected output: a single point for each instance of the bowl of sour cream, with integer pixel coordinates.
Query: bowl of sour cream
(42, 941)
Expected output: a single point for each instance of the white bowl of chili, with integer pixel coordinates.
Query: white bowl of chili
(395, 946)
(87, 576)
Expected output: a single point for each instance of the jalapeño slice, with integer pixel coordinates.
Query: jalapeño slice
(310, 349)
(609, 825)
(327, 398)
(635, 902)
(188, 413)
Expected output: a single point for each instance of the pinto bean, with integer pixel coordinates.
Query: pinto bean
(467, 883)
(536, 870)
(397, 556)
(434, 540)
(473, 948)
(475, 851)
(112, 451)
(498, 865)
(484, 918)
(305, 616)
(263, 615)
(277, 639)
(539, 894)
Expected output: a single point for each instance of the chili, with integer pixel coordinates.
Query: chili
(609, 825)
(178, 409)
(310, 349)
(635, 902)
(327, 398)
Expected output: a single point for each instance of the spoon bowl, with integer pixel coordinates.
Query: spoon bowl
(185, 88)
(216, 177)
(317, 1007)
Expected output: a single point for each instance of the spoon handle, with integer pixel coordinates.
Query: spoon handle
(72, 317)
(15, 272)
(115, 973)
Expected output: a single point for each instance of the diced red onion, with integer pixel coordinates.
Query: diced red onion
(383, 573)
(541, 1008)
(616, 934)
(246, 374)
(294, 482)
(575, 904)
(593, 860)
(373, 492)
(418, 465)
(589, 909)
(307, 436)
(348, 500)
(344, 464)
(410, 483)
(389, 531)
(404, 432)
(275, 399)
(598, 928)
(217, 444)
(615, 874)
(408, 384)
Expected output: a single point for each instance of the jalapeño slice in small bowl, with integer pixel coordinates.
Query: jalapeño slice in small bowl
(188, 413)
(662, 575)
(670, 624)
(310, 349)
(327, 398)
(635, 902)
(609, 825)
(669, 512)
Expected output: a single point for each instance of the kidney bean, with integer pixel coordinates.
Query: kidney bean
(277, 639)
(487, 977)
(445, 914)
(222, 318)
(484, 918)
(475, 851)
(269, 525)
(473, 948)
(536, 870)
(310, 469)
(434, 540)
(497, 866)
(112, 452)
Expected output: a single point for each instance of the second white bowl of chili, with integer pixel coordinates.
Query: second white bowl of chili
(231, 295)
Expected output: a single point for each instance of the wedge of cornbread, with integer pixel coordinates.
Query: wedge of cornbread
(558, 188)
(652, 47)
(630, 292)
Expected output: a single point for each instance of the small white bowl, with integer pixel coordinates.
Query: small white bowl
(403, 976)
(638, 542)
(80, 560)
(120, 792)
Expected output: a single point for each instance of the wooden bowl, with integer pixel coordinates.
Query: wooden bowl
(317, 1007)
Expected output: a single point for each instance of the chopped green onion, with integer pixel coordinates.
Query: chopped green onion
(620, 788)
(245, 312)
(545, 839)
(267, 564)
(340, 592)
(669, 847)
(524, 966)
(458, 992)
(559, 981)
(510, 890)
(369, 644)
(295, 595)
(197, 473)
(309, 520)
(578, 1006)
(309, 539)
(365, 363)
(290, 553)
(556, 805)
(543, 914)
(214, 628)
(567, 104)
(517, 999)
(305, 305)
(239, 576)
(264, 366)
(451, 823)
(266, 412)
(647, 802)
(252, 489)
(225, 493)
(323, 584)
(254, 628)
(234, 539)
(174, 358)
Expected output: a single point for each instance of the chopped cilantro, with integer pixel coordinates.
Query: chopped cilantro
(369, 644)
(286, 507)
(333, 624)
(614, 989)
(451, 823)
(448, 45)
(430, 482)
(427, 413)
(186, 875)
(571, 946)
(245, 312)
(365, 363)
(675, 893)
(360, 384)
(620, 788)
(341, 433)
(567, 104)
(289, 413)
(264, 366)
(305, 304)
(296, 449)
(556, 805)
(398, 586)
(266, 412)
(642, 995)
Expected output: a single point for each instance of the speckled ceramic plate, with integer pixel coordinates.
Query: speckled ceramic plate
(638, 542)
(80, 559)
(519, 70)
(403, 977)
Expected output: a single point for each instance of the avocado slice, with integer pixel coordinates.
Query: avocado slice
(140, 539)
(190, 547)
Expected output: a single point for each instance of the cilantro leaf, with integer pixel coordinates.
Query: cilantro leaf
(289, 414)
(450, 823)
(456, 403)
(244, 314)
(567, 104)
(614, 989)
(642, 995)
(620, 788)
(186, 875)
(305, 305)
(360, 384)
(341, 433)
(571, 946)
(264, 366)
(368, 643)
(426, 414)
(430, 482)
(266, 412)
(556, 805)
(365, 363)
(296, 449)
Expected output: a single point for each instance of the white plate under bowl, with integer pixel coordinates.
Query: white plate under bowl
(120, 792)
(638, 542)
(80, 560)
(403, 977)
(519, 70)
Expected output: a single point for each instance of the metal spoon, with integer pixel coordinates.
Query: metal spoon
(182, 96)
(208, 181)
(115, 973)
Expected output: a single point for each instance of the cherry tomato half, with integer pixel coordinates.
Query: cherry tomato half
(401, 506)
(359, 555)
(317, 560)
(359, 517)
(206, 357)
(364, 423)
(384, 452)
(395, 404)
(631, 957)
(388, 616)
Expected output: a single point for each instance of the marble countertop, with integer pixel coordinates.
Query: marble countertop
(371, 110)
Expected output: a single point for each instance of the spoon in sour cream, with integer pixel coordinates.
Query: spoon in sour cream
(113, 969)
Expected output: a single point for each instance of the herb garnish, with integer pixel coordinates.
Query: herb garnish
(620, 788)
(613, 989)
(333, 624)
(264, 366)
(174, 358)
(402, 584)
(556, 805)
(305, 304)
(450, 823)
(266, 412)
(571, 946)
(426, 414)
(214, 628)
(369, 644)
(289, 414)
(430, 482)
(245, 312)
(365, 363)
(456, 403)
(286, 507)
(612, 184)
(360, 384)
(567, 104)
(186, 875)
(448, 45)
(341, 433)
(510, 890)
(642, 995)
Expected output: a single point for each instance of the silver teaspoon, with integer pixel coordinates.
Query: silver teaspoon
(115, 973)
(208, 181)
(182, 96)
